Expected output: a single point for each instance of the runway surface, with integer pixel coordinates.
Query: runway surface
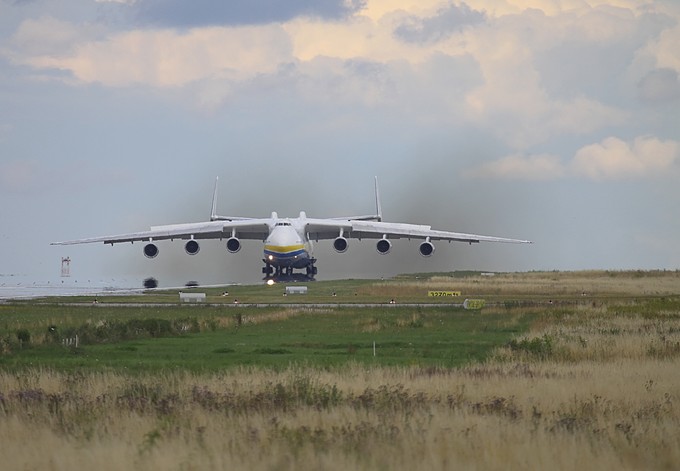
(258, 305)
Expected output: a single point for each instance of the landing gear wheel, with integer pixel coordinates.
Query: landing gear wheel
(311, 271)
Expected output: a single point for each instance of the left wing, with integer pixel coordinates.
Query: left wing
(323, 229)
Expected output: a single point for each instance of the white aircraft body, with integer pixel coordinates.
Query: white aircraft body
(287, 241)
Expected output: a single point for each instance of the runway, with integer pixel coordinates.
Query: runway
(258, 305)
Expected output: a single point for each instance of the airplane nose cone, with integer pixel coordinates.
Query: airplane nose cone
(284, 236)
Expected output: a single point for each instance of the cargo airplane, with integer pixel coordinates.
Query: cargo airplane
(287, 241)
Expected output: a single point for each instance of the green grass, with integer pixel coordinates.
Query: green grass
(403, 336)
(335, 291)
(591, 376)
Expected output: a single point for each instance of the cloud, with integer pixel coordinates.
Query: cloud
(448, 20)
(167, 58)
(510, 96)
(47, 36)
(20, 2)
(611, 159)
(520, 167)
(660, 86)
(5, 131)
(665, 49)
(378, 54)
(614, 158)
(32, 176)
(515, 97)
(557, 7)
(180, 13)
(327, 80)
(21, 176)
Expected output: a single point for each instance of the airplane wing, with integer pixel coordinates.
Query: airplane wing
(392, 230)
(372, 227)
(323, 229)
(254, 229)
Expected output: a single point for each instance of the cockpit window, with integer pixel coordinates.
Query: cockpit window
(282, 224)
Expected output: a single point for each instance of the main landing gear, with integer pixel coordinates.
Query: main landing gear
(279, 273)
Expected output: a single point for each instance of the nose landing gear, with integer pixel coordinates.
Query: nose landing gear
(279, 273)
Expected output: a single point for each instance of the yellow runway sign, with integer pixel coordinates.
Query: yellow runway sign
(474, 304)
(443, 293)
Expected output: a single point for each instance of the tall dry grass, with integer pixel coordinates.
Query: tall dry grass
(615, 414)
(555, 284)
(589, 387)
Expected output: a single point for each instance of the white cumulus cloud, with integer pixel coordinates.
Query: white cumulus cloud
(20, 176)
(610, 159)
(492, 76)
(521, 167)
(614, 158)
(168, 58)
(665, 49)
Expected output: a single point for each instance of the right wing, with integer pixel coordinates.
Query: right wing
(253, 229)
(373, 227)
(396, 230)
(324, 229)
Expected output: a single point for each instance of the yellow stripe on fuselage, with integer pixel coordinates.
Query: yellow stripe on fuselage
(284, 249)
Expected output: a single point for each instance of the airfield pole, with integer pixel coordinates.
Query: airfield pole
(65, 267)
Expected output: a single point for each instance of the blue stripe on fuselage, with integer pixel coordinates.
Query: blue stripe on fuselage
(292, 258)
(278, 254)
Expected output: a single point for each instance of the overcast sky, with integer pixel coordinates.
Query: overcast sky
(551, 120)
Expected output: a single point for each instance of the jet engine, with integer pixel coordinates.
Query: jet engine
(340, 245)
(383, 246)
(150, 250)
(426, 248)
(192, 247)
(233, 245)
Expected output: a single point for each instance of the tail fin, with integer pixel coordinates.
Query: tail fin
(378, 207)
(371, 217)
(213, 211)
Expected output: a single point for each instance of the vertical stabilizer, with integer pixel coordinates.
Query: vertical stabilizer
(378, 207)
(370, 217)
(213, 210)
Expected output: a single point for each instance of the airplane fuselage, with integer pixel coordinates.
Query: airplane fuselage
(286, 246)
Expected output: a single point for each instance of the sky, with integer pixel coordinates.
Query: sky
(556, 121)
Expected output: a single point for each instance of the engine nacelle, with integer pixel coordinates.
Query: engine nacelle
(233, 245)
(192, 247)
(340, 245)
(383, 246)
(426, 249)
(150, 250)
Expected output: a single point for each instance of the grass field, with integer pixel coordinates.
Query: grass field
(561, 370)
(211, 339)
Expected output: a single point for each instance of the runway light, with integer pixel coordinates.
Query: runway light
(270, 282)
